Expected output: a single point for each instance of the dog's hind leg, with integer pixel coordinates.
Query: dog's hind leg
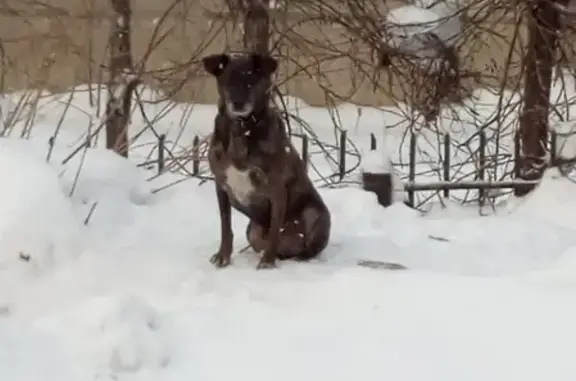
(305, 237)
(256, 236)
(301, 239)
(291, 241)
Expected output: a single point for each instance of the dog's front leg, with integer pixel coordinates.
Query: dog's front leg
(278, 212)
(222, 257)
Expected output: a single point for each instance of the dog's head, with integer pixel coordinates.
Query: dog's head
(243, 82)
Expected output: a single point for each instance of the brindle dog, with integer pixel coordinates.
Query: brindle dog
(257, 170)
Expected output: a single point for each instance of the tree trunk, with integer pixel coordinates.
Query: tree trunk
(256, 26)
(543, 26)
(122, 81)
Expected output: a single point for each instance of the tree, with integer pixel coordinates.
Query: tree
(122, 80)
(544, 24)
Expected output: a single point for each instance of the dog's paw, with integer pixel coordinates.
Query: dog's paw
(220, 260)
(266, 264)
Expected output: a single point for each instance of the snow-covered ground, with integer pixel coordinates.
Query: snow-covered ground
(102, 277)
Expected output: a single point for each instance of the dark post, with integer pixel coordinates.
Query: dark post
(516, 155)
(161, 145)
(482, 168)
(553, 149)
(305, 150)
(342, 159)
(412, 168)
(446, 163)
(196, 156)
(381, 185)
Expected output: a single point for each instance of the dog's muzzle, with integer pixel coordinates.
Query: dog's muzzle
(239, 109)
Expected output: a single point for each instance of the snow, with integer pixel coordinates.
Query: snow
(38, 220)
(119, 286)
(26, 353)
(376, 161)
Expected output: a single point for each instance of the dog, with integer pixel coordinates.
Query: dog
(257, 171)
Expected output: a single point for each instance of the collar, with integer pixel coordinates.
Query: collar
(244, 124)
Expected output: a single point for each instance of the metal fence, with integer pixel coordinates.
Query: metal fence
(193, 165)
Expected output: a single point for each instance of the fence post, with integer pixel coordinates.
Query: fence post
(342, 159)
(379, 183)
(482, 168)
(553, 149)
(517, 155)
(196, 156)
(305, 151)
(161, 145)
(446, 163)
(412, 168)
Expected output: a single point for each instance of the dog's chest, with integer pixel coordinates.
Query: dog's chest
(239, 183)
(242, 164)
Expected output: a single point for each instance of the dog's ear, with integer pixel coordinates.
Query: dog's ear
(215, 63)
(265, 64)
